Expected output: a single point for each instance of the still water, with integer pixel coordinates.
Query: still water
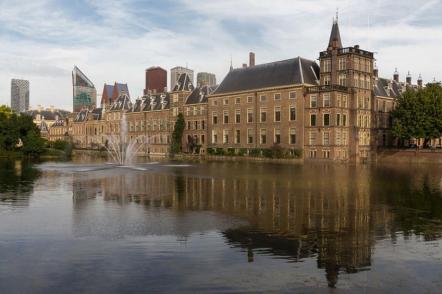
(220, 228)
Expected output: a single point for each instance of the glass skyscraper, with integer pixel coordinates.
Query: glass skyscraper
(19, 95)
(84, 92)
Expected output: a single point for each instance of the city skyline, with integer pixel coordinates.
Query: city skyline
(117, 46)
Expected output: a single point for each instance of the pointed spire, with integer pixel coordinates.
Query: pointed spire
(335, 36)
(231, 62)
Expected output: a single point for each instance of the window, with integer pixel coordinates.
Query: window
(292, 113)
(326, 154)
(187, 111)
(249, 136)
(226, 117)
(312, 153)
(238, 137)
(292, 134)
(203, 124)
(344, 120)
(238, 116)
(277, 96)
(225, 136)
(313, 101)
(263, 136)
(292, 95)
(196, 125)
(263, 98)
(326, 119)
(312, 138)
(338, 119)
(226, 101)
(249, 99)
(237, 100)
(344, 101)
(342, 79)
(214, 118)
(277, 114)
(341, 63)
(214, 137)
(277, 136)
(249, 115)
(189, 125)
(326, 100)
(326, 138)
(338, 138)
(327, 80)
(214, 102)
(327, 65)
(313, 120)
(263, 115)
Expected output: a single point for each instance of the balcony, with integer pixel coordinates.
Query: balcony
(327, 88)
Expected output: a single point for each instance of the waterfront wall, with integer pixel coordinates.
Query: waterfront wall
(409, 156)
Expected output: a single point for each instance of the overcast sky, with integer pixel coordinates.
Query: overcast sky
(42, 40)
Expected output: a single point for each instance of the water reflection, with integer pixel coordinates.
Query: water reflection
(334, 214)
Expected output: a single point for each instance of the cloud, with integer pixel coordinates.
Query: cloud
(116, 40)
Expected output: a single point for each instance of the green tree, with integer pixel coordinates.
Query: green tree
(177, 135)
(33, 144)
(418, 114)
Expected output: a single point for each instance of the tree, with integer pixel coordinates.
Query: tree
(33, 144)
(177, 135)
(418, 114)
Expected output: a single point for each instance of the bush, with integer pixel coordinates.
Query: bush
(211, 151)
(231, 151)
(242, 152)
(33, 144)
(297, 153)
(267, 153)
(277, 151)
(219, 151)
(60, 145)
(255, 152)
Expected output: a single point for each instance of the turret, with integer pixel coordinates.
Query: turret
(420, 82)
(408, 80)
(335, 36)
(396, 76)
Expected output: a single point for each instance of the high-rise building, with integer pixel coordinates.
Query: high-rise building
(19, 95)
(84, 92)
(176, 72)
(156, 80)
(205, 79)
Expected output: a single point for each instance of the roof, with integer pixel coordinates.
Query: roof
(388, 88)
(120, 88)
(335, 35)
(97, 113)
(82, 115)
(184, 83)
(122, 103)
(48, 114)
(294, 71)
(199, 95)
(58, 123)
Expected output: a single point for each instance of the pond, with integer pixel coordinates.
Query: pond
(237, 227)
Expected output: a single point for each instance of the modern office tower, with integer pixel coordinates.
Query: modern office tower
(19, 95)
(176, 72)
(84, 92)
(206, 79)
(156, 80)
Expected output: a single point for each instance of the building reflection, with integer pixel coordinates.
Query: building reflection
(333, 214)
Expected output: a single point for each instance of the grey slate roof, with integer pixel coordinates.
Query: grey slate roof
(183, 84)
(152, 102)
(58, 123)
(122, 88)
(122, 103)
(199, 95)
(82, 115)
(388, 88)
(335, 35)
(48, 114)
(97, 113)
(281, 73)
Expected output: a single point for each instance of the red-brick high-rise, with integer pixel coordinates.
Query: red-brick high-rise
(156, 80)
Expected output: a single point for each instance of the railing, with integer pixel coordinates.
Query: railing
(327, 88)
(346, 50)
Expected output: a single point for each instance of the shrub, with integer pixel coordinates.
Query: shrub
(297, 153)
(60, 145)
(231, 151)
(211, 151)
(277, 151)
(267, 153)
(219, 151)
(242, 152)
(255, 152)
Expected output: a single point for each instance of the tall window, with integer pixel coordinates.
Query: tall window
(327, 80)
(292, 134)
(263, 136)
(249, 136)
(249, 115)
(237, 100)
(249, 99)
(313, 101)
(226, 101)
(342, 79)
(312, 138)
(262, 98)
(338, 119)
(326, 100)
(344, 120)
(277, 96)
(238, 116)
(292, 113)
(326, 119)
(326, 138)
(226, 117)
(214, 137)
(292, 95)
(277, 136)
(341, 63)
(277, 113)
(263, 115)
(313, 120)
(214, 118)
(225, 136)
(238, 136)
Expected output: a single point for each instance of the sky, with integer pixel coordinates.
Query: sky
(42, 40)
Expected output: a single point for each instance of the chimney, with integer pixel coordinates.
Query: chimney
(420, 82)
(376, 71)
(396, 76)
(251, 59)
(244, 65)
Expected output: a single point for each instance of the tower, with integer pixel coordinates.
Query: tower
(338, 111)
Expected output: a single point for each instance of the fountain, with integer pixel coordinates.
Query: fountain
(122, 149)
